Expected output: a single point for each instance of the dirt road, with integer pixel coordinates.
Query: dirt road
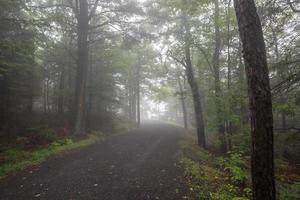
(140, 165)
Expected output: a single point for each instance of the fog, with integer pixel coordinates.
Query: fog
(149, 99)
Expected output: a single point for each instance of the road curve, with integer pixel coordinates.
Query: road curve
(140, 165)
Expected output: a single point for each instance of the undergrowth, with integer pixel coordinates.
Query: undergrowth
(228, 177)
(15, 158)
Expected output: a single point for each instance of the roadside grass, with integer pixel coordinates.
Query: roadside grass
(14, 158)
(228, 177)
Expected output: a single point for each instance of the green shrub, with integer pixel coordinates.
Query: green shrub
(289, 192)
(287, 146)
(20, 158)
(41, 136)
(197, 176)
(236, 166)
(241, 141)
(226, 192)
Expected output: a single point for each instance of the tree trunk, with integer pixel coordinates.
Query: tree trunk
(133, 98)
(60, 103)
(127, 106)
(182, 98)
(243, 107)
(251, 34)
(138, 106)
(44, 97)
(193, 84)
(281, 74)
(216, 63)
(130, 114)
(90, 95)
(82, 67)
(70, 81)
(229, 122)
(47, 96)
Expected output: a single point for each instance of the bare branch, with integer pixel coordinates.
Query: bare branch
(100, 25)
(92, 13)
(291, 4)
(206, 57)
(286, 84)
(176, 59)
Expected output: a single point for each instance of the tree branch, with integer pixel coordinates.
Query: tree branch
(291, 4)
(100, 25)
(206, 57)
(92, 13)
(285, 84)
(176, 59)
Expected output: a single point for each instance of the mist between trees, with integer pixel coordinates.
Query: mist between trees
(75, 66)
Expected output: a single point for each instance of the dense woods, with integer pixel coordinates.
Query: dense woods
(227, 70)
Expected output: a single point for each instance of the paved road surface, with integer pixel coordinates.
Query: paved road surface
(137, 166)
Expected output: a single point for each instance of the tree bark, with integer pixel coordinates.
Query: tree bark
(182, 98)
(70, 82)
(60, 103)
(138, 103)
(82, 67)
(133, 98)
(90, 95)
(251, 34)
(243, 107)
(216, 67)
(281, 74)
(193, 84)
(229, 122)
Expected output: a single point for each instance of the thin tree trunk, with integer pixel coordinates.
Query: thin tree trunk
(70, 81)
(91, 96)
(82, 67)
(133, 100)
(243, 108)
(60, 103)
(216, 66)
(138, 93)
(229, 122)
(193, 84)
(47, 96)
(228, 47)
(44, 98)
(182, 98)
(282, 99)
(130, 99)
(263, 184)
(127, 97)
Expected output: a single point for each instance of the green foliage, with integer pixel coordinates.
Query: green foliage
(242, 140)
(19, 159)
(235, 164)
(216, 178)
(226, 192)
(289, 192)
(227, 177)
(193, 170)
(41, 136)
(287, 145)
(18, 73)
(288, 108)
(163, 93)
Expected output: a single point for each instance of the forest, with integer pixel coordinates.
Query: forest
(202, 97)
